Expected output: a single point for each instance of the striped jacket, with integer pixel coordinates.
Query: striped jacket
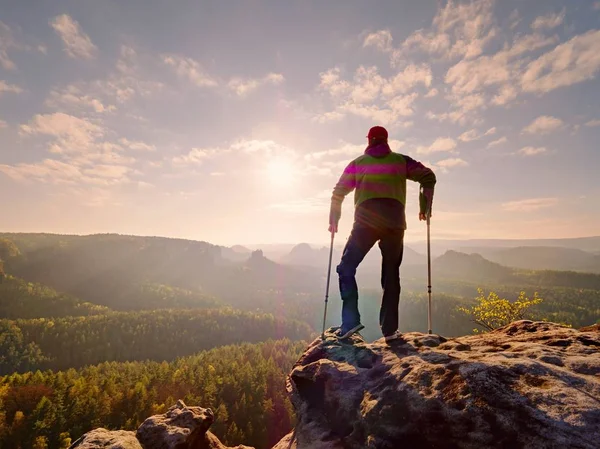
(378, 178)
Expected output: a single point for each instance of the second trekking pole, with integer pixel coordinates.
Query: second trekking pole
(429, 270)
(328, 281)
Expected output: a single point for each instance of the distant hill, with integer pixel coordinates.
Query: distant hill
(304, 254)
(236, 253)
(475, 268)
(456, 265)
(541, 258)
(21, 299)
(440, 246)
(127, 272)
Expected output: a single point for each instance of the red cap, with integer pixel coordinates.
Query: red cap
(378, 132)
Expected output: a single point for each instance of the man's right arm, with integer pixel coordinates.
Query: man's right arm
(344, 186)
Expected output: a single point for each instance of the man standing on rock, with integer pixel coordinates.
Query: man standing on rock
(379, 180)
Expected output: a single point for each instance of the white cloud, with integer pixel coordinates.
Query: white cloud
(593, 123)
(452, 162)
(469, 76)
(332, 83)
(402, 105)
(506, 95)
(12, 88)
(7, 43)
(42, 49)
(469, 136)
(497, 142)
(77, 44)
(531, 151)
(243, 86)
(569, 63)
(369, 95)
(197, 156)
(441, 144)
(367, 85)
(346, 150)
(107, 171)
(490, 131)
(529, 205)
(407, 79)
(268, 148)
(49, 170)
(72, 97)
(548, 21)
(127, 62)
(136, 145)
(496, 75)
(381, 40)
(514, 19)
(385, 116)
(455, 116)
(53, 171)
(543, 125)
(190, 69)
(128, 80)
(253, 146)
(458, 30)
(432, 93)
(72, 134)
(327, 117)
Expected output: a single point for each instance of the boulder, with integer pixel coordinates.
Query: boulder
(107, 439)
(182, 427)
(527, 385)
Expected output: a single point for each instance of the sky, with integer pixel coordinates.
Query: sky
(231, 121)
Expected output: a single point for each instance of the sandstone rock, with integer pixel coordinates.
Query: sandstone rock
(287, 442)
(592, 328)
(182, 427)
(107, 439)
(527, 385)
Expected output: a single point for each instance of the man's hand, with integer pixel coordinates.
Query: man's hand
(333, 227)
(425, 203)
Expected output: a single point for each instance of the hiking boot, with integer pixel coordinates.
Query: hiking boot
(343, 335)
(395, 336)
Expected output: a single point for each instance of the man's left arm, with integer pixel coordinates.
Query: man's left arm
(416, 171)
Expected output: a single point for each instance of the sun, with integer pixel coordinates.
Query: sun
(281, 172)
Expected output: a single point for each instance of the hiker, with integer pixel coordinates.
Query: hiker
(379, 180)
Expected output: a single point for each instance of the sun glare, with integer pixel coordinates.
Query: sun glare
(280, 172)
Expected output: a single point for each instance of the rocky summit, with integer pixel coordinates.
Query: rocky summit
(526, 385)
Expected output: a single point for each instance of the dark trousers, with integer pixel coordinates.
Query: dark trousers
(391, 243)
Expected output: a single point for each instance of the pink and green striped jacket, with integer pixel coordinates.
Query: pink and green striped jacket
(379, 176)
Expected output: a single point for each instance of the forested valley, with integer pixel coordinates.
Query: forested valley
(107, 330)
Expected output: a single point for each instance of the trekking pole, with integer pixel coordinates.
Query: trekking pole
(429, 270)
(328, 280)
